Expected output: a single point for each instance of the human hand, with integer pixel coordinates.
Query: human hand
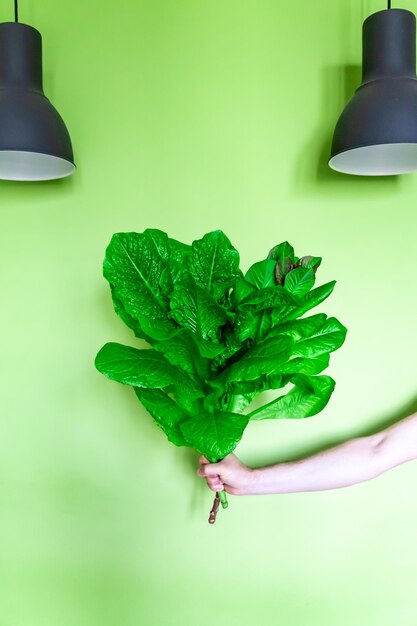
(228, 475)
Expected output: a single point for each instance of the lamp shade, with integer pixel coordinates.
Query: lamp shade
(376, 134)
(34, 141)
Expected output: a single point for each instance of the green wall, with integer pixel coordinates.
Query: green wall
(190, 115)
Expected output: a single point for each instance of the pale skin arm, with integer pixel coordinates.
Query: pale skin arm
(352, 462)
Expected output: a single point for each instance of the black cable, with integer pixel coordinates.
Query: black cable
(389, 4)
(16, 15)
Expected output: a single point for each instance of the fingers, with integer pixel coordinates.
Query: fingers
(215, 484)
(209, 470)
(212, 472)
(219, 486)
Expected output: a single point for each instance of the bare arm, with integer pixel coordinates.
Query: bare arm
(352, 462)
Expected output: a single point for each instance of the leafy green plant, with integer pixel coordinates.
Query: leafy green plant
(218, 338)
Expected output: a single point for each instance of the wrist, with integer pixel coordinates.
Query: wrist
(267, 480)
(255, 483)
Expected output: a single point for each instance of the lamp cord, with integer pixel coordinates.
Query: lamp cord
(16, 15)
(389, 4)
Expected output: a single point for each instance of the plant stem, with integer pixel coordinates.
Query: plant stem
(233, 402)
(214, 509)
(223, 499)
(220, 498)
(222, 495)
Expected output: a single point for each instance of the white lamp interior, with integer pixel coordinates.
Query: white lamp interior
(381, 160)
(16, 165)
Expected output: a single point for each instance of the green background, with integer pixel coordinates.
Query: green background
(191, 115)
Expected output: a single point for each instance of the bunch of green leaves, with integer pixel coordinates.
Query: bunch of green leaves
(218, 338)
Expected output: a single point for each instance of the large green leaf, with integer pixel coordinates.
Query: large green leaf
(313, 335)
(214, 434)
(299, 281)
(214, 263)
(328, 338)
(178, 251)
(246, 325)
(258, 313)
(265, 382)
(309, 396)
(194, 308)
(302, 304)
(140, 368)
(130, 321)
(176, 266)
(157, 329)
(166, 413)
(133, 266)
(264, 359)
(181, 351)
(241, 401)
(241, 290)
(253, 326)
(261, 274)
(267, 298)
(299, 365)
(264, 326)
(208, 349)
(299, 329)
(314, 298)
(144, 368)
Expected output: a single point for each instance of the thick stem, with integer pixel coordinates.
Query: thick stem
(222, 495)
(223, 499)
(214, 509)
(233, 402)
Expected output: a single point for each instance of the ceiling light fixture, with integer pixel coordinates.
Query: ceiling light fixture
(34, 141)
(376, 134)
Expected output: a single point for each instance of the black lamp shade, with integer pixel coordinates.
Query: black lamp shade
(376, 133)
(34, 141)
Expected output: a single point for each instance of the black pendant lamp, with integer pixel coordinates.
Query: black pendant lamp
(34, 141)
(376, 134)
